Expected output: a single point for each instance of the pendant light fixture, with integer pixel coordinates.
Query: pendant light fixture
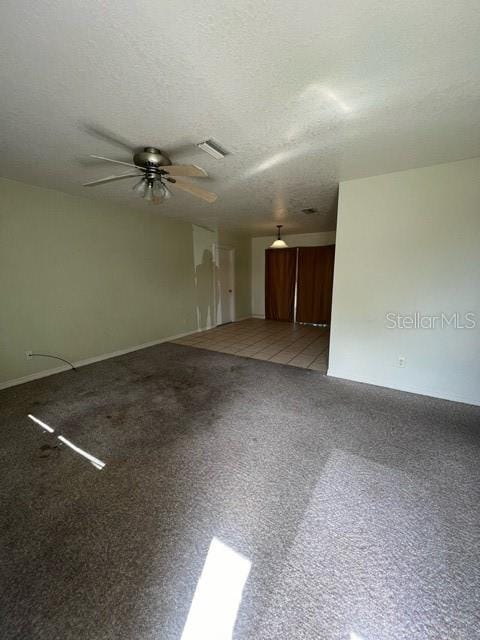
(279, 243)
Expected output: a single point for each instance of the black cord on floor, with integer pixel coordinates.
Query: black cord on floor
(46, 355)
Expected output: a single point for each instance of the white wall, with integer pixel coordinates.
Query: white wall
(259, 245)
(409, 242)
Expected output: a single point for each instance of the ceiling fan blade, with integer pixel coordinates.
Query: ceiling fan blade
(190, 170)
(189, 187)
(128, 164)
(111, 178)
(103, 134)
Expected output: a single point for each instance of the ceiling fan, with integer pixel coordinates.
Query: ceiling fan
(155, 169)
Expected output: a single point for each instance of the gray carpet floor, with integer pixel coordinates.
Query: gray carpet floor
(358, 508)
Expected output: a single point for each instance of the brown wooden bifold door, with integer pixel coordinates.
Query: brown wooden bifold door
(315, 284)
(280, 270)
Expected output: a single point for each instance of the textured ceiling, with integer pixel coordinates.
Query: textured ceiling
(303, 94)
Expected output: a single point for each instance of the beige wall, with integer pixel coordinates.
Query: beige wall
(261, 243)
(82, 278)
(409, 242)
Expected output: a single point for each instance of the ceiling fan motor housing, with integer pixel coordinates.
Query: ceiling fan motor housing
(151, 158)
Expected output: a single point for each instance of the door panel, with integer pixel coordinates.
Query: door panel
(280, 269)
(226, 287)
(315, 284)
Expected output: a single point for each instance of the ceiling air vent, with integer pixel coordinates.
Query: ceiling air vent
(213, 149)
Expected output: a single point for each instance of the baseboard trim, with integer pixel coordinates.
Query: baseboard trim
(82, 363)
(258, 316)
(431, 393)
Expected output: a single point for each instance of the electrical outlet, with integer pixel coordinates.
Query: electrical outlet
(29, 355)
(402, 361)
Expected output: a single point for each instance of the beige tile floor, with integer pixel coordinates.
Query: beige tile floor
(282, 342)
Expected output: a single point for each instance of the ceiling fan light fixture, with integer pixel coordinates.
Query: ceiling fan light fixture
(150, 192)
(166, 193)
(139, 187)
(279, 243)
(157, 169)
